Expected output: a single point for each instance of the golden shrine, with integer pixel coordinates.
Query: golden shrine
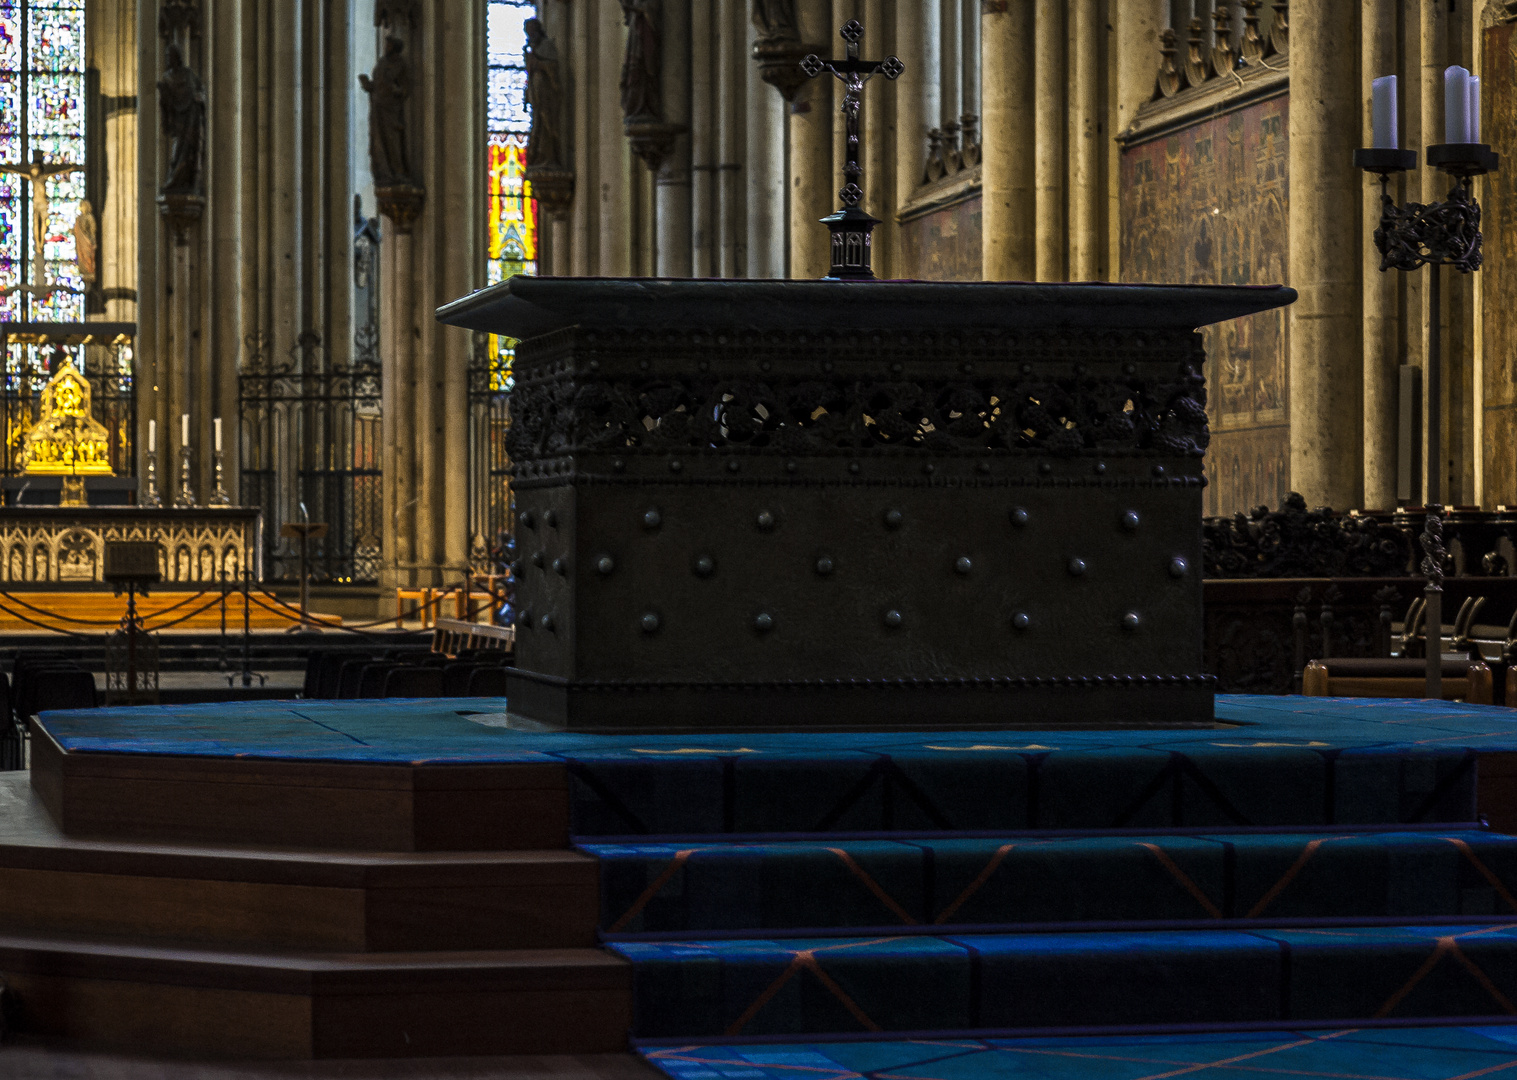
(66, 440)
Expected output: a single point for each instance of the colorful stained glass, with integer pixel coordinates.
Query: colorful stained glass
(513, 210)
(10, 36)
(56, 42)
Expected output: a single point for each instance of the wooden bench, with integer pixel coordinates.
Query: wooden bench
(1463, 680)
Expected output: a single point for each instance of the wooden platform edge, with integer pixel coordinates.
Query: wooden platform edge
(358, 806)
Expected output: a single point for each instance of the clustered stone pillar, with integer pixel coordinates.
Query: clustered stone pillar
(673, 181)
(764, 170)
(1087, 141)
(1049, 46)
(1326, 259)
(1378, 55)
(811, 175)
(880, 100)
(1007, 165)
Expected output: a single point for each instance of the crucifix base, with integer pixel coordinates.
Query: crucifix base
(852, 243)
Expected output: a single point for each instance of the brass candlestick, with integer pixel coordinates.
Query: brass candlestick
(186, 496)
(219, 497)
(152, 498)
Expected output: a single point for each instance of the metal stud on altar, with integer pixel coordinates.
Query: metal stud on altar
(851, 227)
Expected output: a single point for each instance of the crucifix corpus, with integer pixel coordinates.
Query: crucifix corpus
(850, 226)
(38, 173)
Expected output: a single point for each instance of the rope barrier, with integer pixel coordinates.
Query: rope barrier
(175, 622)
(44, 626)
(13, 598)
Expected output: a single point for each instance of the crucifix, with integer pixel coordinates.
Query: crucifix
(850, 226)
(38, 173)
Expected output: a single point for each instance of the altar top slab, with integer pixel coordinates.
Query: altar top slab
(528, 307)
(459, 731)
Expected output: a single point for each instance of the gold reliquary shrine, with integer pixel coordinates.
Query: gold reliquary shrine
(66, 440)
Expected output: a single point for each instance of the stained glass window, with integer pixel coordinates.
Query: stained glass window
(41, 109)
(513, 210)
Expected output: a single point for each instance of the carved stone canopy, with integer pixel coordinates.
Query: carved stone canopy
(401, 203)
(182, 211)
(553, 189)
(652, 140)
(779, 62)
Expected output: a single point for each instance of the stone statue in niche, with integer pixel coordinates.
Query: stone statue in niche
(775, 20)
(642, 96)
(86, 243)
(389, 88)
(181, 109)
(546, 96)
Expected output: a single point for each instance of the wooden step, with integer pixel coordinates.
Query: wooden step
(348, 806)
(237, 897)
(294, 1005)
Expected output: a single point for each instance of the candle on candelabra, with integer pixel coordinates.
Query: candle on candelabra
(184, 429)
(217, 423)
(1383, 113)
(152, 436)
(1456, 105)
(1474, 117)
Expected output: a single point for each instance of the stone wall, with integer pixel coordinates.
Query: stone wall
(1499, 294)
(1206, 204)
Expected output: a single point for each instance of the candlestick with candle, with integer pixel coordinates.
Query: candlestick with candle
(219, 497)
(186, 496)
(1434, 235)
(151, 497)
(1383, 113)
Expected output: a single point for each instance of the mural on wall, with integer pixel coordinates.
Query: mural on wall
(943, 244)
(1499, 287)
(1206, 206)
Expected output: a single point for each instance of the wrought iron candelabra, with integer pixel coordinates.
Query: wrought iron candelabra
(152, 498)
(1433, 235)
(186, 496)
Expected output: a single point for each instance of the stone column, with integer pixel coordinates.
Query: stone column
(969, 20)
(673, 183)
(732, 33)
(1086, 141)
(703, 141)
(811, 174)
(1378, 57)
(1006, 84)
(879, 141)
(1049, 45)
(919, 106)
(114, 43)
(584, 217)
(951, 61)
(614, 184)
(764, 170)
(1326, 327)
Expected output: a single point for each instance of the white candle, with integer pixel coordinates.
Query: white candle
(184, 429)
(1474, 108)
(1456, 105)
(152, 436)
(1383, 113)
(217, 422)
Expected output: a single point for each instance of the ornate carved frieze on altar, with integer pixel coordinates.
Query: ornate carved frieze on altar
(48, 545)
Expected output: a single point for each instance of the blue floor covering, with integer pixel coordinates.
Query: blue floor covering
(454, 730)
(1406, 1053)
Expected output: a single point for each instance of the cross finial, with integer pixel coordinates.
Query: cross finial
(850, 226)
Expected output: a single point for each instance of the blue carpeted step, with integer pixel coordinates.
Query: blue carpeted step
(1389, 1053)
(1031, 980)
(970, 783)
(821, 886)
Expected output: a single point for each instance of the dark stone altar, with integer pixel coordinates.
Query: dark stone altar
(816, 505)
